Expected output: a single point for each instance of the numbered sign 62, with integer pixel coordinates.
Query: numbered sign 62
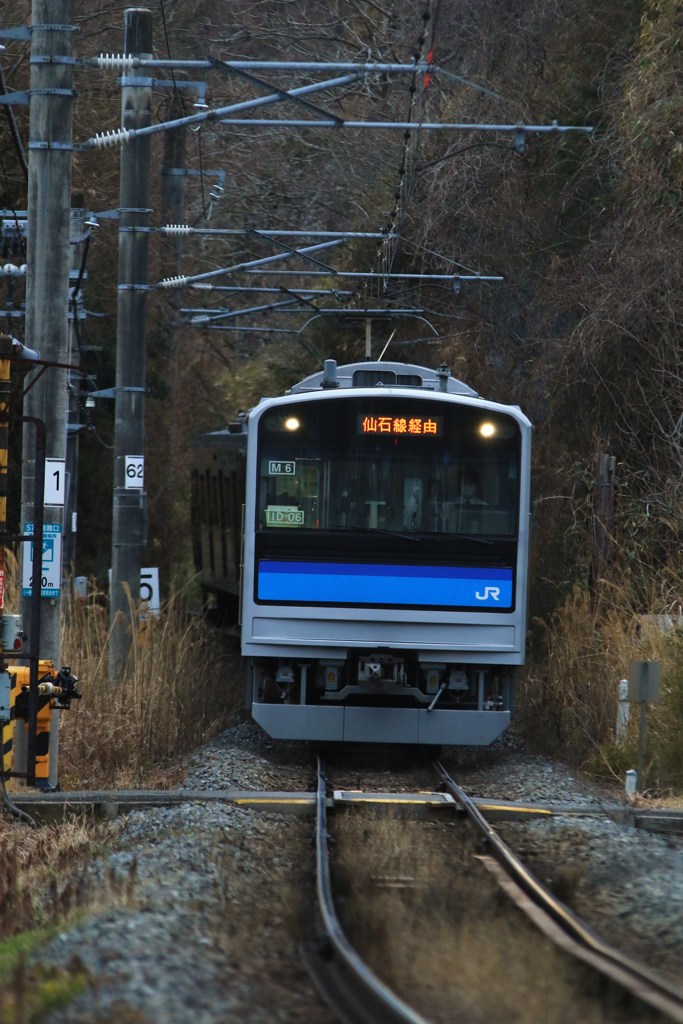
(135, 471)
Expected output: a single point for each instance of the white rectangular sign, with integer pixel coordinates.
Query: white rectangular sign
(284, 515)
(149, 588)
(281, 468)
(135, 471)
(55, 482)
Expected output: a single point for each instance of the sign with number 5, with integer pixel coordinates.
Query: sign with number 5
(149, 588)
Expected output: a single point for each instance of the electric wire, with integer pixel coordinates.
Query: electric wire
(387, 248)
(168, 51)
(464, 149)
(109, 447)
(179, 105)
(419, 246)
(12, 807)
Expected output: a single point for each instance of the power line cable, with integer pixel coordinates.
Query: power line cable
(179, 105)
(168, 51)
(386, 250)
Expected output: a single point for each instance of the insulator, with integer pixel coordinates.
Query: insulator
(117, 61)
(177, 229)
(111, 138)
(202, 286)
(173, 282)
(200, 319)
(10, 269)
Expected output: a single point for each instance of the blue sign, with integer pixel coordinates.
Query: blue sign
(412, 586)
(51, 571)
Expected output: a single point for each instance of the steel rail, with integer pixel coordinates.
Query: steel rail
(343, 978)
(582, 941)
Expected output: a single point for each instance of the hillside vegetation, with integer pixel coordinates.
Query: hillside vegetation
(583, 333)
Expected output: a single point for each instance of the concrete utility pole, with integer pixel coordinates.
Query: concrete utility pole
(48, 262)
(129, 526)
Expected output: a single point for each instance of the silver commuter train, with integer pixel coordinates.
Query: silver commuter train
(384, 554)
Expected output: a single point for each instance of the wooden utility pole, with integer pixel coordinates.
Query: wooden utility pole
(47, 283)
(129, 527)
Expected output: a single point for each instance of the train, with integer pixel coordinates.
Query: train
(369, 532)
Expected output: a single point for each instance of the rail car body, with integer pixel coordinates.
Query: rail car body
(384, 536)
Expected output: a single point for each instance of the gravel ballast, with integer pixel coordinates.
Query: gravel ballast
(205, 905)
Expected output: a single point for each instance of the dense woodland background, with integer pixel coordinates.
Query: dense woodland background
(583, 333)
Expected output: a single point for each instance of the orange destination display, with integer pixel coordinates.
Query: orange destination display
(412, 426)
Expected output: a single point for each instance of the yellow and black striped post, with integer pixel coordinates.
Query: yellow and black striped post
(8, 730)
(20, 675)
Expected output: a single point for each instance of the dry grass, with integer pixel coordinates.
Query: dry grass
(569, 694)
(178, 690)
(44, 877)
(45, 882)
(181, 686)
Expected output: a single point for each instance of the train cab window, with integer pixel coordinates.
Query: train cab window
(393, 464)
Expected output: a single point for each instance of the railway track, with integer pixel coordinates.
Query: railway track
(357, 994)
(342, 976)
(352, 989)
(557, 921)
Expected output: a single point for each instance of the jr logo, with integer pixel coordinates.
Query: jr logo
(493, 592)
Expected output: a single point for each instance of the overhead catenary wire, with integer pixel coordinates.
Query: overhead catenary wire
(168, 51)
(179, 107)
(386, 250)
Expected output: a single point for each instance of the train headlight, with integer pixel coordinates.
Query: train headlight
(292, 423)
(498, 428)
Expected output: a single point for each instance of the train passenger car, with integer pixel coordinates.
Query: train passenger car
(385, 549)
(217, 500)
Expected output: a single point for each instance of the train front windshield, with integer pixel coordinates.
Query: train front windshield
(397, 464)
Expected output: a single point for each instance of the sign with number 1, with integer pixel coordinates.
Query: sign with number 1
(55, 482)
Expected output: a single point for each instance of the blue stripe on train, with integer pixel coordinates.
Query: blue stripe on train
(411, 585)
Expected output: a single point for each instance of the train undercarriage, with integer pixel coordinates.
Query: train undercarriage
(371, 696)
